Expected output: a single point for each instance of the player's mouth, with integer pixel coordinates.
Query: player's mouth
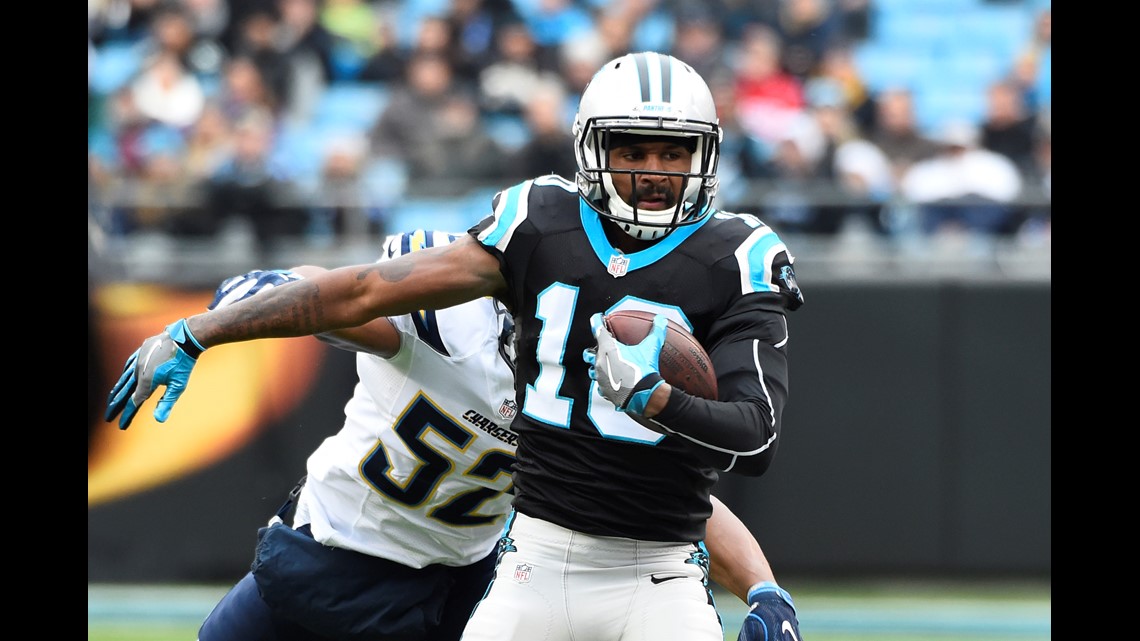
(654, 199)
(655, 203)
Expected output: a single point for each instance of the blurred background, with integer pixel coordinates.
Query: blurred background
(902, 149)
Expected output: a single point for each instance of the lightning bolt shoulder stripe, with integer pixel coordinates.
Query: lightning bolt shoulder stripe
(511, 209)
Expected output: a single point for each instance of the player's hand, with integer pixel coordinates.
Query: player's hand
(242, 287)
(626, 374)
(166, 359)
(772, 616)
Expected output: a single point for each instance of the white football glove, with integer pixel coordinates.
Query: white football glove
(627, 375)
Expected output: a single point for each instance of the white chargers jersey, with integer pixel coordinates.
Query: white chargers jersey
(421, 471)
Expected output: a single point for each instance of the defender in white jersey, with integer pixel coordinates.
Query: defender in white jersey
(396, 525)
(421, 471)
(400, 510)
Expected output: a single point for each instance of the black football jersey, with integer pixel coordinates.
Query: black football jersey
(581, 463)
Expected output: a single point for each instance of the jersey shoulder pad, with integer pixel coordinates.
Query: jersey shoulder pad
(548, 203)
(396, 245)
(763, 257)
(455, 332)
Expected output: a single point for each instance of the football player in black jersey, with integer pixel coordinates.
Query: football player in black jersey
(605, 540)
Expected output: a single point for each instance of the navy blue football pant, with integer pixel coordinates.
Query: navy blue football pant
(242, 615)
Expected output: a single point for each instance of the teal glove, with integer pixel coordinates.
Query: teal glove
(166, 359)
(626, 374)
(772, 616)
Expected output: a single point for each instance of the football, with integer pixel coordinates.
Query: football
(683, 362)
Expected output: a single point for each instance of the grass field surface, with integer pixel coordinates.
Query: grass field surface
(831, 611)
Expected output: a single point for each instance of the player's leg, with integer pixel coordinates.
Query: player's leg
(554, 584)
(242, 614)
(673, 600)
(470, 585)
(340, 593)
(524, 601)
(618, 588)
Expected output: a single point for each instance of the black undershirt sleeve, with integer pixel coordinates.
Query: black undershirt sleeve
(737, 433)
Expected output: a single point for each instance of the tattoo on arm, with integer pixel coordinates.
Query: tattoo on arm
(282, 312)
(391, 271)
(299, 308)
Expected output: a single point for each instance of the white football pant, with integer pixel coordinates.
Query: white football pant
(560, 585)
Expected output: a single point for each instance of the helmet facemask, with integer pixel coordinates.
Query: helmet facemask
(597, 178)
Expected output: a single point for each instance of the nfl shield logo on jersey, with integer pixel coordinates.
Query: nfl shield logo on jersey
(522, 572)
(618, 266)
(508, 409)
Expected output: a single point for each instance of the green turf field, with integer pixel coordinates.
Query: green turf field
(833, 611)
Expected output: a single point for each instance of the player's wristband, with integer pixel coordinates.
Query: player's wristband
(770, 586)
(180, 332)
(642, 391)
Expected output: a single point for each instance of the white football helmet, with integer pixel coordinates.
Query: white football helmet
(648, 94)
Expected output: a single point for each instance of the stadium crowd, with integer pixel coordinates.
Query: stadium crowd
(318, 118)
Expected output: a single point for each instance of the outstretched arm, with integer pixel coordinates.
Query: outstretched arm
(736, 561)
(338, 299)
(351, 296)
(378, 337)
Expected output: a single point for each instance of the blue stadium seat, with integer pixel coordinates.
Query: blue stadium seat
(883, 66)
(352, 105)
(430, 213)
(116, 64)
(937, 103)
(654, 32)
(508, 130)
(346, 61)
(387, 179)
(974, 67)
(903, 6)
(1000, 29)
(448, 214)
(923, 31)
(409, 15)
(301, 149)
(1044, 82)
(101, 145)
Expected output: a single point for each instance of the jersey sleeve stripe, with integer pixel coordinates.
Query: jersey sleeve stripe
(755, 257)
(510, 212)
